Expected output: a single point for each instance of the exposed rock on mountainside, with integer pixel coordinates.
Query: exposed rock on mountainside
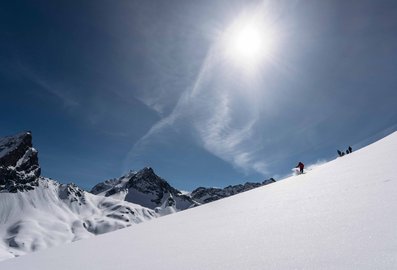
(206, 195)
(144, 188)
(147, 189)
(19, 164)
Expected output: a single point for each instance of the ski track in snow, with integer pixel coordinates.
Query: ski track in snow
(340, 215)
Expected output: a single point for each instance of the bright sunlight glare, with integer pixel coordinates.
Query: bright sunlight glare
(248, 42)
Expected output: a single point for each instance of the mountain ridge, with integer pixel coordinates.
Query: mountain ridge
(207, 195)
(137, 186)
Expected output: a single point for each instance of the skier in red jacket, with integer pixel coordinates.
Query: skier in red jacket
(300, 166)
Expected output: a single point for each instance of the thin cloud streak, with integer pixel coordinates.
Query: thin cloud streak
(51, 87)
(57, 91)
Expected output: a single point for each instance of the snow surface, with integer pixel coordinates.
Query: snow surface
(340, 215)
(47, 217)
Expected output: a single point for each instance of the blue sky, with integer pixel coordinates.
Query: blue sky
(108, 86)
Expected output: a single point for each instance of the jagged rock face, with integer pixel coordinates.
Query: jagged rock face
(146, 181)
(268, 181)
(205, 195)
(72, 193)
(145, 188)
(19, 164)
(101, 187)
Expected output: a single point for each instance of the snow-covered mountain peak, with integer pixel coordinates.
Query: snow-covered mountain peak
(146, 180)
(145, 188)
(19, 164)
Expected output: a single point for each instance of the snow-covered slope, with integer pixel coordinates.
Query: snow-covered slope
(340, 215)
(36, 212)
(54, 214)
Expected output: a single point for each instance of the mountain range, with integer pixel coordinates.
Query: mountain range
(37, 212)
(149, 190)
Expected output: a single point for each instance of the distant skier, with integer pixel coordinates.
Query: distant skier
(301, 166)
(350, 149)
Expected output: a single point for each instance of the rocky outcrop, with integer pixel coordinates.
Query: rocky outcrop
(144, 188)
(72, 193)
(19, 164)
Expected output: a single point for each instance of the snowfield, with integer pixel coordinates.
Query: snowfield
(340, 215)
(50, 215)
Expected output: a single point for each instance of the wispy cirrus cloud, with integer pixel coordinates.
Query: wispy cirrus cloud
(56, 89)
(221, 109)
(222, 119)
(226, 138)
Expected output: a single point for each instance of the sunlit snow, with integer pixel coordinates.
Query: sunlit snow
(340, 215)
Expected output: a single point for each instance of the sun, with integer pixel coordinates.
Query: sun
(247, 42)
